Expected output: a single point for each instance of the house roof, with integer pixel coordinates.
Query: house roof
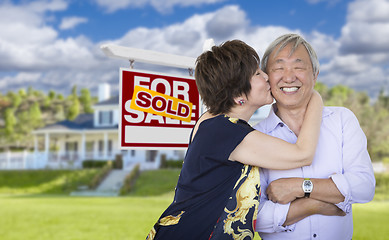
(82, 122)
(111, 101)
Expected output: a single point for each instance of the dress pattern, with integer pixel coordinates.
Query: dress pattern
(215, 198)
(239, 223)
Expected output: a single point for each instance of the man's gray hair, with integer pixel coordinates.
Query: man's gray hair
(282, 42)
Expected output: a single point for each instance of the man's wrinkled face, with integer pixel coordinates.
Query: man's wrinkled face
(291, 76)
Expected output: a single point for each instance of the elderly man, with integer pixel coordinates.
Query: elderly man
(312, 202)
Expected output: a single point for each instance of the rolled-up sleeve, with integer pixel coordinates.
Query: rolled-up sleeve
(357, 182)
(271, 216)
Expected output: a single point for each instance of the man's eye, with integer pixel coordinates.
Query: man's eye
(299, 68)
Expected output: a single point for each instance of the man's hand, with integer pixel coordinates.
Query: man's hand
(285, 190)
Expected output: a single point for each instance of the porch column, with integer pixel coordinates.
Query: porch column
(96, 149)
(82, 154)
(47, 147)
(35, 144)
(36, 152)
(47, 143)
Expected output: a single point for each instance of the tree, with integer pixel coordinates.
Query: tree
(10, 122)
(383, 99)
(86, 100)
(74, 91)
(51, 95)
(74, 109)
(35, 115)
(15, 99)
(59, 113)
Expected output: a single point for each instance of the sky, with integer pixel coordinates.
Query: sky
(55, 44)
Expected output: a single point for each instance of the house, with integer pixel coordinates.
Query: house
(93, 137)
(67, 144)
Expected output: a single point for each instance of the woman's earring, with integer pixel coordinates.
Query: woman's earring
(241, 102)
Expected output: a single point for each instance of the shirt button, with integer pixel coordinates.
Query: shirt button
(314, 235)
(281, 125)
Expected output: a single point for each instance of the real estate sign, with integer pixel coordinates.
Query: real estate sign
(156, 110)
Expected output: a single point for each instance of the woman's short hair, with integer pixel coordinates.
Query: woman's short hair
(284, 40)
(224, 73)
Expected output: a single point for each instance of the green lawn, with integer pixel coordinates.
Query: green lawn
(44, 181)
(42, 216)
(71, 218)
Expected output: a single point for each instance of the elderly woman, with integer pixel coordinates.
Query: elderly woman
(217, 193)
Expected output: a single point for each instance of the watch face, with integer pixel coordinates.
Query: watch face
(307, 185)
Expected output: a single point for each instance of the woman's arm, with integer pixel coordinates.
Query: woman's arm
(259, 149)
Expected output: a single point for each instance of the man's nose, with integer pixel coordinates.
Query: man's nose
(289, 75)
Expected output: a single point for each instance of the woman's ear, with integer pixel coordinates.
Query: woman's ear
(240, 101)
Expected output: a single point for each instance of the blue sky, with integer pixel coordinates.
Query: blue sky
(54, 44)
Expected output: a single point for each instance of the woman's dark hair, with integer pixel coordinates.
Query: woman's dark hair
(224, 73)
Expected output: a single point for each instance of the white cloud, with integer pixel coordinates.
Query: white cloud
(49, 62)
(162, 6)
(29, 45)
(370, 11)
(226, 22)
(349, 64)
(71, 22)
(19, 79)
(367, 27)
(327, 47)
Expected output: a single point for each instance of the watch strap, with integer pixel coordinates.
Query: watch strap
(307, 194)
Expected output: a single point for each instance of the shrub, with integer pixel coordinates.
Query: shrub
(93, 164)
(118, 163)
(101, 175)
(129, 181)
(171, 163)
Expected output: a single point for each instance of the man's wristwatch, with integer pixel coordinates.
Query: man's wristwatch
(307, 187)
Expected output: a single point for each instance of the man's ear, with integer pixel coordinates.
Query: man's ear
(315, 77)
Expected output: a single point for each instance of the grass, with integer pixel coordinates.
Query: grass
(370, 220)
(44, 181)
(156, 182)
(74, 218)
(50, 216)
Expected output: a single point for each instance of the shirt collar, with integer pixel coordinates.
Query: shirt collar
(273, 121)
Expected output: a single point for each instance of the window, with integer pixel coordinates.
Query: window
(151, 155)
(101, 147)
(71, 146)
(105, 118)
